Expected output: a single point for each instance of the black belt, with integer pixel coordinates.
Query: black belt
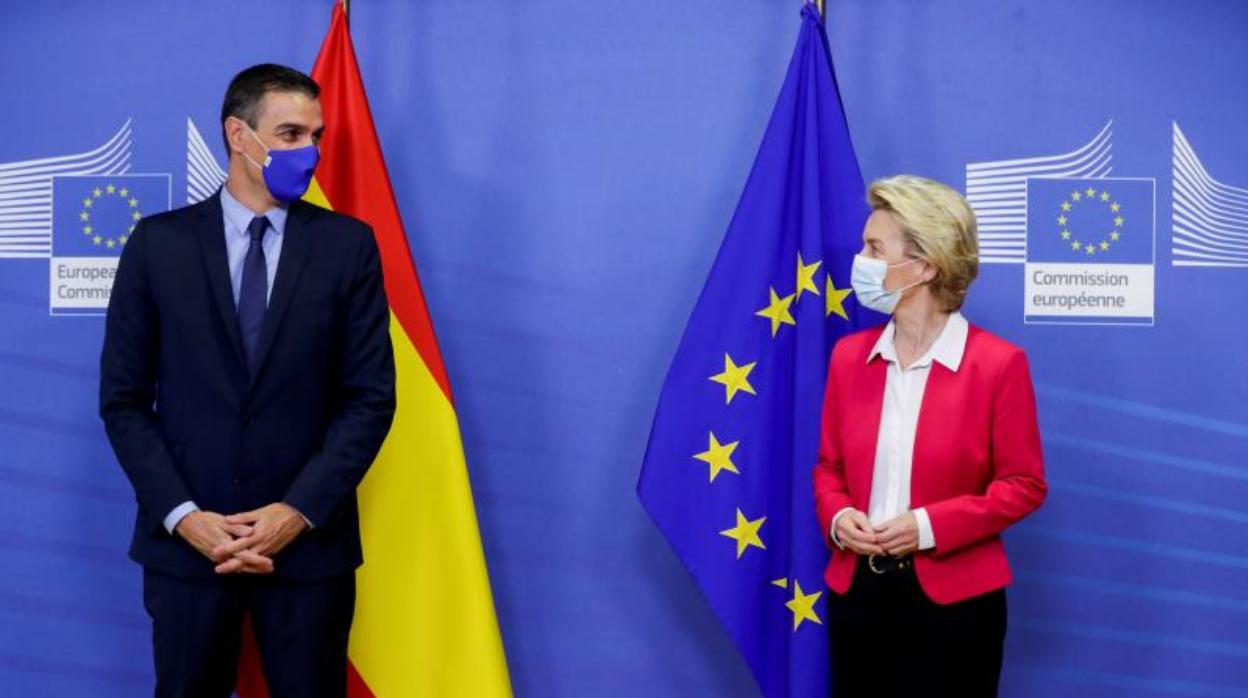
(884, 564)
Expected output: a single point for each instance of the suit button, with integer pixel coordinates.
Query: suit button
(249, 419)
(237, 480)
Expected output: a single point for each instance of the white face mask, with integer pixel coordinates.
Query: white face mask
(867, 278)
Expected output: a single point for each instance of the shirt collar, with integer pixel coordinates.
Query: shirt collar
(947, 349)
(239, 216)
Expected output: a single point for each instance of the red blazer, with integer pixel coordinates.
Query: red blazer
(977, 464)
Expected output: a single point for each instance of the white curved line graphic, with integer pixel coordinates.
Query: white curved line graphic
(1210, 218)
(203, 174)
(26, 192)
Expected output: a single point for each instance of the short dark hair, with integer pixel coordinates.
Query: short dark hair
(242, 97)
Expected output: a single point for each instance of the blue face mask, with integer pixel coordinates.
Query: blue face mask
(287, 173)
(867, 278)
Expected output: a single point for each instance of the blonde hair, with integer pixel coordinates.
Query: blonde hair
(938, 227)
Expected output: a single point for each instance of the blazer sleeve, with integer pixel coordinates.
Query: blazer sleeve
(831, 488)
(1017, 485)
(128, 387)
(367, 398)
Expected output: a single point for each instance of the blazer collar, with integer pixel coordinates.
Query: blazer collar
(210, 224)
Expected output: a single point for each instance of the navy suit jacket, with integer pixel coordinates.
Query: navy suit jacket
(188, 422)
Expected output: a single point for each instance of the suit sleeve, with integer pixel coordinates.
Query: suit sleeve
(128, 387)
(1017, 487)
(831, 488)
(366, 408)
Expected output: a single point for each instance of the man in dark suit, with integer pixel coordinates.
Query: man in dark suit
(246, 384)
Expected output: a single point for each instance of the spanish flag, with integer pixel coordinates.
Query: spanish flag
(424, 614)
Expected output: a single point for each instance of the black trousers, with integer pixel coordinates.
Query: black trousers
(888, 639)
(301, 630)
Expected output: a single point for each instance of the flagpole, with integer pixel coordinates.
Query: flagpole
(818, 4)
(346, 10)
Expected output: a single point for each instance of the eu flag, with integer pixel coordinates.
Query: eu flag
(93, 215)
(727, 473)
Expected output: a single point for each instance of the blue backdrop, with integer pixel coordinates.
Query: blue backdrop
(566, 171)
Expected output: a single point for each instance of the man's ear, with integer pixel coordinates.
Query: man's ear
(235, 132)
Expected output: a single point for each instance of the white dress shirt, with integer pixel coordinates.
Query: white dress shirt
(899, 418)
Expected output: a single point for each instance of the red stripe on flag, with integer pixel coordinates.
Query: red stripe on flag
(251, 683)
(356, 688)
(250, 676)
(353, 176)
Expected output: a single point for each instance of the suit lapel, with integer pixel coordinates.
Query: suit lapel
(295, 245)
(939, 419)
(211, 235)
(931, 430)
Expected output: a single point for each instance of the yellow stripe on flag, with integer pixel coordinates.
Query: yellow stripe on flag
(316, 195)
(424, 614)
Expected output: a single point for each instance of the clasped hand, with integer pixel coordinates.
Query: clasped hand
(898, 536)
(245, 542)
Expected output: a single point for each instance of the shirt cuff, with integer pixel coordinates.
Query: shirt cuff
(300, 513)
(179, 512)
(832, 530)
(927, 539)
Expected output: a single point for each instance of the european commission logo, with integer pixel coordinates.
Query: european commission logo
(78, 211)
(1090, 251)
(1087, 239)
(92, 218)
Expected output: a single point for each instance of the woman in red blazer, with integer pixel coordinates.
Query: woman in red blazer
(929, 450)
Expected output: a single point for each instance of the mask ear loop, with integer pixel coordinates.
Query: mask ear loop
(267, 157)
(907, 287)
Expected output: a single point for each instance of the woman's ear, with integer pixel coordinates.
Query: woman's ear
(930, 272)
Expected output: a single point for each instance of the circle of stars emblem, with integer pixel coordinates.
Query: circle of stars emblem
(109, 195)
(1101, 200)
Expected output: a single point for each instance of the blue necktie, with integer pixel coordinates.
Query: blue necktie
(253, 294)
